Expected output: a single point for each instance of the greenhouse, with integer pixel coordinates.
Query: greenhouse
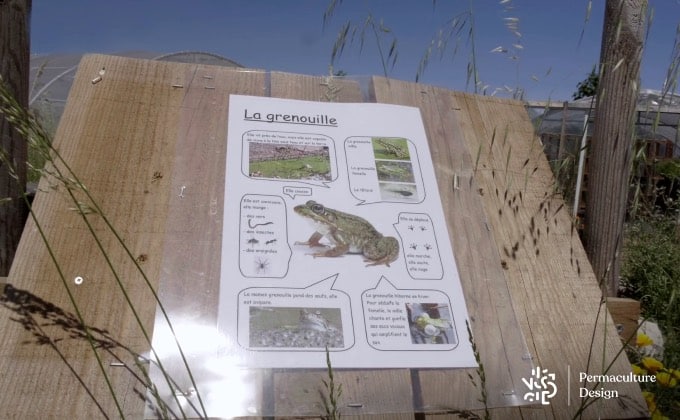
(52, 75)
(566, 128)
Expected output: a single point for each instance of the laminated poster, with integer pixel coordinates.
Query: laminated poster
(334, 237)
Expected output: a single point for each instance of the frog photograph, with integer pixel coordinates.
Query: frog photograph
(390, 148)
(280, 327)
(283, 161)
(394, 168)
(348, 234)
(430, 323)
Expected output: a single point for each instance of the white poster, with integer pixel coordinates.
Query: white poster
(334, 237)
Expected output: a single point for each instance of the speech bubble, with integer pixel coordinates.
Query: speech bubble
(292, 157)
(292, 192)
(263, 236)
(408, 319)
(419, 242)
(295, 319)
(384, 169)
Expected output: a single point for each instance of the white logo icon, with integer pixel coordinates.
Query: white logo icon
(541, 386)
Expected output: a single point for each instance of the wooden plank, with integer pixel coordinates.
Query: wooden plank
(551, 283)
(126, 125)
(148, 143)
(543, 262)
(126, 137)
(625, 315)
(191, 266)
(527, 413)
(495, 330)
(314, 88)
(364, 392)
(191, 260)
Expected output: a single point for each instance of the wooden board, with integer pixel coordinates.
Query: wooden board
(148, 142)
(626, 316)
(365, 392)
(495, 330)
(553, 288)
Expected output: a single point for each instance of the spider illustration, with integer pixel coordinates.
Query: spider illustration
(261, 265)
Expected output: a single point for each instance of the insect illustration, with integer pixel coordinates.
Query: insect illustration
(261, 265)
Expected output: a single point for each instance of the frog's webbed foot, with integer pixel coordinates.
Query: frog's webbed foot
(385, 260)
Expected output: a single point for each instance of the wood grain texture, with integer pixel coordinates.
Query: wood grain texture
(149, 128)
(626, 315)
(113, 135)
(379, 391)
(553, 288)
(506, 185)
(15, 16)
(494, 327)
(191, 267)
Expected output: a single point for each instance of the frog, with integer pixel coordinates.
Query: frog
(393, 149)
(314, 321)
(349, 234)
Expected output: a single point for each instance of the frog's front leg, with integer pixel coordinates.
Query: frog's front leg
(341, 246)
(336, 251)
(313, 241)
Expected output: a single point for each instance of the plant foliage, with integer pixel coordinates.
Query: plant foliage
(588, 87)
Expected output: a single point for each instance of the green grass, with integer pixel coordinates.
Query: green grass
(651, 274)
(333, 392)
(669, 168)
(308, 167)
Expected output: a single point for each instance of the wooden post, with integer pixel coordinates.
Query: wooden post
(612, 144)
(14, 69)
(563, 132)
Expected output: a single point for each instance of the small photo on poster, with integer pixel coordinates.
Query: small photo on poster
(286, 327)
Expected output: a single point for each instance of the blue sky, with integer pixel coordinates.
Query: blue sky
(289, 36)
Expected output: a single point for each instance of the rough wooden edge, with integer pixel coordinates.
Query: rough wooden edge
(625, 312)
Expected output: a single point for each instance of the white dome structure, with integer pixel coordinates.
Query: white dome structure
(52, 75)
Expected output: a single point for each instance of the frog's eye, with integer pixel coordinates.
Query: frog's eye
(317, 208)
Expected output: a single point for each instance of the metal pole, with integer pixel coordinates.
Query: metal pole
(581, 165)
